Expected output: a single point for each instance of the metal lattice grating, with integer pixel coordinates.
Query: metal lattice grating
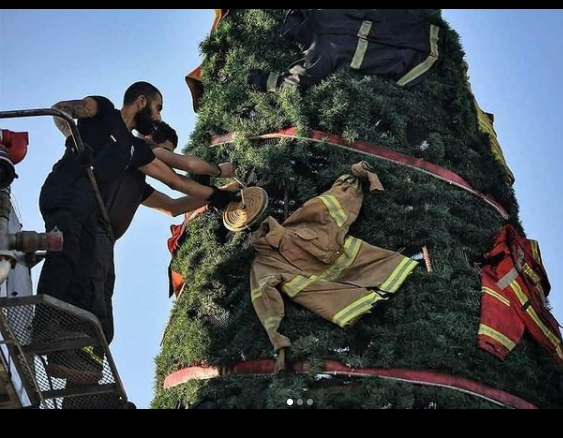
(61, 354)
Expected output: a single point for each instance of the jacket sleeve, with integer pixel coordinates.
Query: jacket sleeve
(268, 304)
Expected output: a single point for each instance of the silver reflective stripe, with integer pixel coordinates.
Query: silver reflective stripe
(521, 258)
(508, 279)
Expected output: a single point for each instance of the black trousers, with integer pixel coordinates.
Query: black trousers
(67, 203)
(62, 269)
(95, 281)
(83, 273)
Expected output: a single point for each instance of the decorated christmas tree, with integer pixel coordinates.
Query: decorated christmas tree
(295, 98)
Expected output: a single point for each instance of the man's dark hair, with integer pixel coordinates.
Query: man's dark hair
(164, 132)
(140, 89)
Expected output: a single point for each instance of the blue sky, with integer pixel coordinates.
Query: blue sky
(52, 55)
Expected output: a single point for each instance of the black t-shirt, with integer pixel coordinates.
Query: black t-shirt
(128, 197)
(124, 197)
(115, 150)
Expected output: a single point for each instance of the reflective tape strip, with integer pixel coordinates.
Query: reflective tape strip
(363, 44)
(351, 250)
(350, 180)
(423, 68)
(300, 283)
(256, 294)
(398, 277)
(272, 323)
(532, 274)
(508, 279)
(355, 310)
(335, 209)
(89, 351)
(272, 84)
(554, 339)
(536, 251)
(497, 336)
(496, 295)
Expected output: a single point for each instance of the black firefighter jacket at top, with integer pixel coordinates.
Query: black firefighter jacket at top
(312, 261)
(394, 43)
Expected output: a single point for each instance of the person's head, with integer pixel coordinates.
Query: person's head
(165, 136)
(145, 102)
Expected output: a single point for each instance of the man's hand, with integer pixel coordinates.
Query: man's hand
(227, 170)
(221, 198)
(86, 159)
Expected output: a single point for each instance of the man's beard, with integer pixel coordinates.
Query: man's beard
(143, 122)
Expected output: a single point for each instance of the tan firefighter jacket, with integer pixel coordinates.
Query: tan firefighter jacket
(311, 260)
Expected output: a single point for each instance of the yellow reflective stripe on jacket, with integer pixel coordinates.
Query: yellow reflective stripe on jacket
(272, 323)
(363, 43)
(486, 126)
(398, 277)
(546, 331)
(522, 298)
(335, 209)
(499, 155)
(497, 336)
(496, 295)
(355, 310)
(536, 251)
(420, 69)
(485, 123)
(351, 250)
(350, 180)
(300, 283)
(534, 315)
(89, 351)
(532, 274)
(256, 294)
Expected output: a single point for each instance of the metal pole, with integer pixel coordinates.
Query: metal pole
(5, 210)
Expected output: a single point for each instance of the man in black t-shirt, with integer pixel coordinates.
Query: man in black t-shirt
(68, 202)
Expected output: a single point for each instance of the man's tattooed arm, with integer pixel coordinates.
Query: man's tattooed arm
(77, 109)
